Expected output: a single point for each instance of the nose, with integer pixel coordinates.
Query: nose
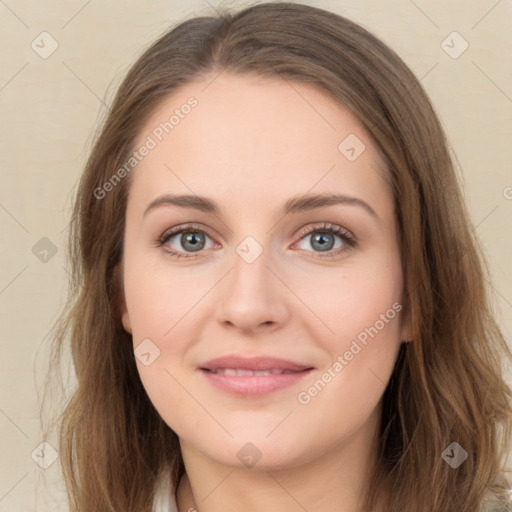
(252, 296)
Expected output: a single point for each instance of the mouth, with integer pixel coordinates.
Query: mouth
(253, 377)
(243, 373)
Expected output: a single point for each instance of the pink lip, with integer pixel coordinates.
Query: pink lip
(253, 363)
(253, 385)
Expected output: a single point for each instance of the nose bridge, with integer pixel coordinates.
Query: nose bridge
(251, 294)
(251, 260)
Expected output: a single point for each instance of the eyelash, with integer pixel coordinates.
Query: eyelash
(324, 228)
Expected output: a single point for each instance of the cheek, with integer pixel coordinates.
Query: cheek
(362, 309)
(346, 301)
(158, 307)
(159, 299)
(164, 305)
(348, 389)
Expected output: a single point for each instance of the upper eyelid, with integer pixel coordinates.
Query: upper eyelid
(193, 226)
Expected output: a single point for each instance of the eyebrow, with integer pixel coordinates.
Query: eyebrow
(293, 205)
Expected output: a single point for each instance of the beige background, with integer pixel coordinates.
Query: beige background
(50, 108)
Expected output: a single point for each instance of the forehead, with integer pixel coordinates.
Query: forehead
(256, 135)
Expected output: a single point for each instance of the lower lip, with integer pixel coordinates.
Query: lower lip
(253, 385)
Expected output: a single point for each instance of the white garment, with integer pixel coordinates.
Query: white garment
(164, 496)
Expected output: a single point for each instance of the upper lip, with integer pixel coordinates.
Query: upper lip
(253, 363)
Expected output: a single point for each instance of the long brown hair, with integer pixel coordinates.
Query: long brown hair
(448, 384)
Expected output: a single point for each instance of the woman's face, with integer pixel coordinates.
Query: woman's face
(259, 275)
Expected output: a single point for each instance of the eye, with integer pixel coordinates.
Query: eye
(192, 238)
(322, 238)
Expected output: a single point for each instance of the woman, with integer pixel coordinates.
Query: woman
(330, 345)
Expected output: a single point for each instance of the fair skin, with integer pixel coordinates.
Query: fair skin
(250, 145)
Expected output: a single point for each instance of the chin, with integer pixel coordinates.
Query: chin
(253, 450)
